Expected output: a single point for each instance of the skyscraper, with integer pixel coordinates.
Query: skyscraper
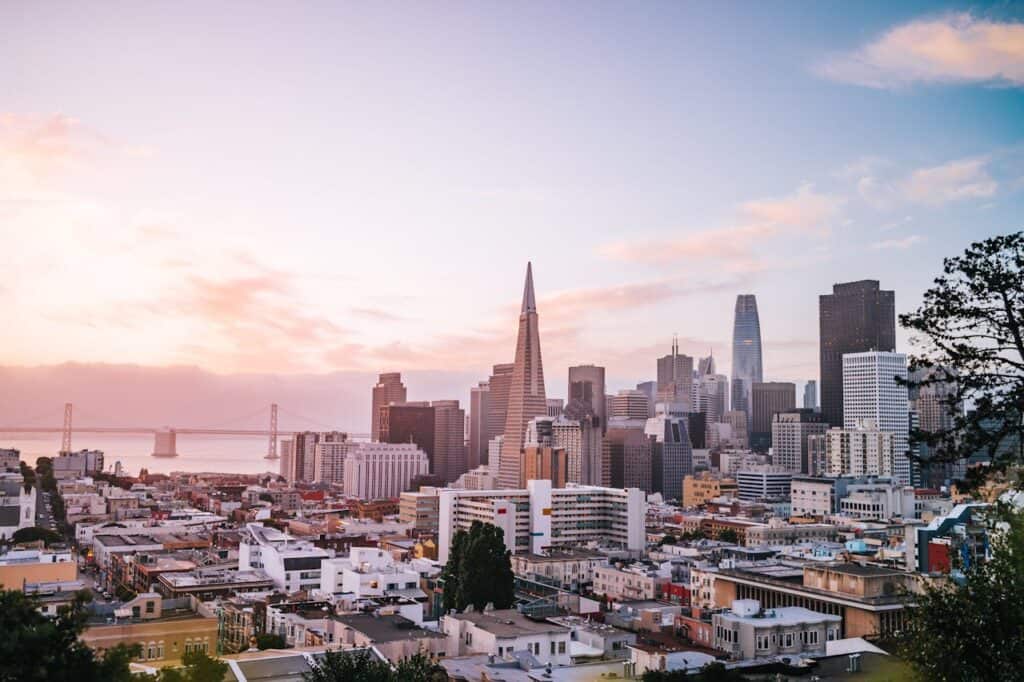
(675, 377)
(526, 398)
(671, 454)
(586, 384)
(479, 411)
(389, 389)
(790, 431)
(629, 404)
(811, 395)
(497, 406)
(871, 393)
(449, 440)
(767, 399)
(747, 367)
(409, 423)
(855, 318)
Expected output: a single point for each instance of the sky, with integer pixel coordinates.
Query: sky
(305, 188)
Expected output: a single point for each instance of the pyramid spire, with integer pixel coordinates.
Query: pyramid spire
(529, 300)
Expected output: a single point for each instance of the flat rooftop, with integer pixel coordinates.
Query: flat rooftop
(787, 615)
(863, 570)
(509, 623)
(386, 628)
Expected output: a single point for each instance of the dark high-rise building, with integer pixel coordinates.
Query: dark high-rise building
(626, 455)
(526, 398)
(697, 428)
(389, 389)
(479, 434)
(497, 406)
(586, 384)
(855, 318)
(768, 399)
(671, 454)
(409, 423)
(449, 440)
(747, 368)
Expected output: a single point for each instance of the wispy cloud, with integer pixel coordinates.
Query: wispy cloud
(953, 181)
(803, 212)
(955, 48)
(904, 243)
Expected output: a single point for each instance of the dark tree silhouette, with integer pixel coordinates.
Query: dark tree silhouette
(197, 666)
(969, 335)
(362, 666)
(270, 640)
(479, 570)
(728, 535)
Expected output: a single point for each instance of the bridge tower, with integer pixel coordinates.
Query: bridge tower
(65, 435)
(272, 444)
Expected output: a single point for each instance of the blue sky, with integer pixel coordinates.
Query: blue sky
(320, 186)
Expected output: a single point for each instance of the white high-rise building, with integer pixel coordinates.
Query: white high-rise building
(539, 517)
(871, 392)
(863, 450)
(328, 461)
(382, 470)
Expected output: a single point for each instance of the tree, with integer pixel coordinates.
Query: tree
(969, 334)
(270, 640)
(35, 647)
(452, 569)
(974, 629)
(354, 666)
(484, 569)
(712, 672)
(33, 533)
(363, 666)
(728, 535)
(28, 474)
(669, 539)
(197, 666)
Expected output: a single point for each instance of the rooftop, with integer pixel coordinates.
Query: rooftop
(508, 623)
(387, 628)
(788, 615)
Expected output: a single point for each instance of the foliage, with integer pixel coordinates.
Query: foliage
(270, 640)
(479, 570)
(362, 666)
(974, 630)
(33, 533)
(35, 647)
(969, 332)
(728, 535)
(28, 474)
(712, 672)
(697, 534)
(197, 666)
(669, 539)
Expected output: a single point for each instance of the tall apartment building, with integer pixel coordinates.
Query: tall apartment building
(586, 384)
(538, 517)
(526, 397)
(675, 377)
(811, 395)
(817, 454)
(872, 392)
(579, 434)
(409, 423)
(498, 384)
(856, 317)
(298, 456)
(747, 366)
(863, 450)
(630, 404)
(383, 470)
(790, 431)
(711, 396)
(449, 440)
(768, 398)
(328, 461)
(671, 455)
(479, 433)
(389, 389)
(543, 462)
(626, 455)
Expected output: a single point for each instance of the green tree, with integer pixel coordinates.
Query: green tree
(728, 535)
(712, 672)
(969, 335)
(270, 640)
(452, 569)
(420, 668)
(348, 666)
(28, 474)
(34, 533)
(35, 647)
(197, 666)
(974, 629)
(484, 569)
(669, 539)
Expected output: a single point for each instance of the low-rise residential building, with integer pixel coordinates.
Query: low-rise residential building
(369, 573)
(292, 564)
(19, 567)
(500, 633)
(778, 532)
(630, 582)
(701, 487)
(569, 569)
(748, 631)
(590, 639)
(394, 636)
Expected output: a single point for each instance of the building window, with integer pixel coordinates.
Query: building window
(150, 607)
(762, 642)
(789, 639)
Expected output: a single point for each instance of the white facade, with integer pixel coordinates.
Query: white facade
(383, 470)
(581, 441)
(870, 391)
(292, 564)
(763, 483)
(329, 461)
(500, 633)
(17, 506)
(539, 516)
(812, 497)
(366, 573)
(748, 631)
(863, 450)
(879, 501)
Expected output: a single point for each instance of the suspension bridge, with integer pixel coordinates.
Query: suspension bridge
(165, 437)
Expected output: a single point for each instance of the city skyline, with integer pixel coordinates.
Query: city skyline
(131, 239)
